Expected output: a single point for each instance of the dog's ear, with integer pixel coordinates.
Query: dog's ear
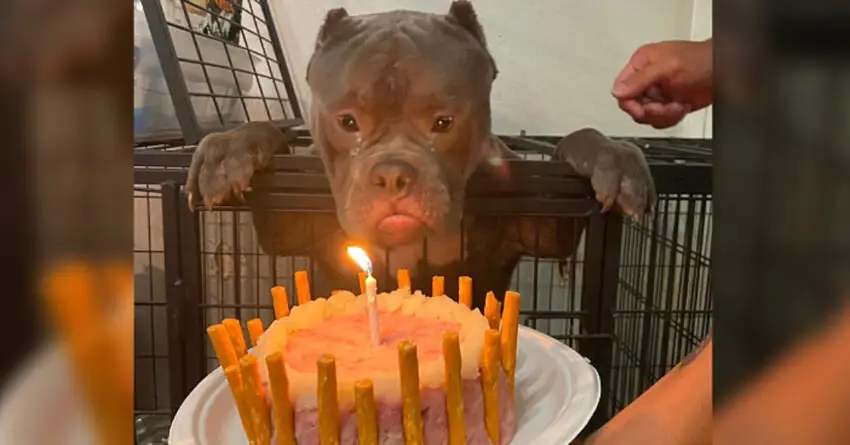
(462, 12)
(333, 20)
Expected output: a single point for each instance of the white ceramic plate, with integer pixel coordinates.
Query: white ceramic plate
(41, 406)
(557, 392)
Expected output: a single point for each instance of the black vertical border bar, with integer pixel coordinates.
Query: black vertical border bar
(281, 60)
(167, 55)
(174, 294)
(608, 299)
(193, 321)
(591, 304)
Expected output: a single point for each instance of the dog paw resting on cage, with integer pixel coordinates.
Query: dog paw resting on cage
(401, 119)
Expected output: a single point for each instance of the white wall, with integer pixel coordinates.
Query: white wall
(698, 124)
(575, 48)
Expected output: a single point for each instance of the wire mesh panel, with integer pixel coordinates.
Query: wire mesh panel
(222, 63)
(663, 306)
(151, 378)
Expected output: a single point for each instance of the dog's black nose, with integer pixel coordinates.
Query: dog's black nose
(394, 177)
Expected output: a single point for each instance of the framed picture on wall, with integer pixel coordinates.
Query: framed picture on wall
(219, 18)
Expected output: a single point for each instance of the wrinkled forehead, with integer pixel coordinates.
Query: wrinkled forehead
(390, 60)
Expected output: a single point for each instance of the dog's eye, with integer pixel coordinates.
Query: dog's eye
(348, 123)
(442, 124)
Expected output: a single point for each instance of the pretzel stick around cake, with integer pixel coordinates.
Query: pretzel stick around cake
(222, 345)
(328, 403)
(438, 286)
(302, 287)
(411, 400)
(403, 278)
(255, 330)
(281, 302)
(464, 291)
(255, 399)
(490, 365)
(237, 338)
(367, 412)
(510, 330)
(454, 389)
(234, 381)
(284, 414)
(491, 310)
(361, 277)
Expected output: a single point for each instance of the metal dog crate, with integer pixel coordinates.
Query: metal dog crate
(634, 299)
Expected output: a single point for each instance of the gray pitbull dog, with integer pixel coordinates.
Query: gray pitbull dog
(401, 119)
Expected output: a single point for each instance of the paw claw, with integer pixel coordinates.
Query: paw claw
(190, 200)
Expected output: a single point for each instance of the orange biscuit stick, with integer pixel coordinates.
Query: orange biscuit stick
(255, 330)
(403, 278)
(281, 302)
(328, 403)
(464, 291)
(510, 330)
(491, 310)
(361, 276)
(438, 286)
(284, 414)
(411, 401)
(255, 399)
(222, 345)
(490, 383)
(234, 381)
(367, 412)
(302, 287)
(454, 389)
(237, 338)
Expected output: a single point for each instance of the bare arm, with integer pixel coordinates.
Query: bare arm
(677, 410)
(804, 399)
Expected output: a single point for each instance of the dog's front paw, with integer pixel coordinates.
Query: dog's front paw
(617, 170)
(224, 163)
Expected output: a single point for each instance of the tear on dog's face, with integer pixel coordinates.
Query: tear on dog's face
(401, 115)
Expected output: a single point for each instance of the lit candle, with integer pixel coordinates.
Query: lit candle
(359, 256)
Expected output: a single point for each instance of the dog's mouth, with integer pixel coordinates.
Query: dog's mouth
(399, 228)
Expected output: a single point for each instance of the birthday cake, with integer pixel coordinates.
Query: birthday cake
(339, 387)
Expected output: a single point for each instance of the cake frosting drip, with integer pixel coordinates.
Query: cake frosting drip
(338, 326)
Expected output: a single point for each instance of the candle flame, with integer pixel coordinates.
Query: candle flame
(359, 256)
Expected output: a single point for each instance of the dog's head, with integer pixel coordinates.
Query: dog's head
(401, 114)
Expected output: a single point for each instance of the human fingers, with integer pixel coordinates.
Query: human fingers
(635, 82)
(661, 116)
(632, 107)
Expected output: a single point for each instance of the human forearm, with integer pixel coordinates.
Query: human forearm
(803, 399)
(674, 411)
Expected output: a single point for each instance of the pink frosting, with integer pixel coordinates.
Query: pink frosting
(347, 339)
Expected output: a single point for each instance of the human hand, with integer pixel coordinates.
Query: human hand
(664, 81)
